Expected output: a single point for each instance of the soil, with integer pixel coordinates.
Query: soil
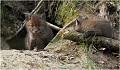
(106, 59)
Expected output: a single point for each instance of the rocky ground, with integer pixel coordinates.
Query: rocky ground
(43, 60)
(64, 58)
(62, 55)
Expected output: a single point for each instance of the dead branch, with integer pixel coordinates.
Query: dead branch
(75, 36)
(36, 8)
(53, 26)
(59, 34)
(98, 4)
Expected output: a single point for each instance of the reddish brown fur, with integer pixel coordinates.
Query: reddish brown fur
(92, 22)
(94, 27)
(38, 33)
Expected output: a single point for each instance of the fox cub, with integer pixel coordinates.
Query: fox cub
(39, 33)
(92, 27)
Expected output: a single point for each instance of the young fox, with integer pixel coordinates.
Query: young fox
(93, 27)
(39, 33)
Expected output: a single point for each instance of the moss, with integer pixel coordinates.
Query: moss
(67, 11)
(72, 34)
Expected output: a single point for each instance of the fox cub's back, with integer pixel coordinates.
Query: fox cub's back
(93, 27)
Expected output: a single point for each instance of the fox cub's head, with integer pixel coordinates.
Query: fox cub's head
(78, 23)
(36, 25)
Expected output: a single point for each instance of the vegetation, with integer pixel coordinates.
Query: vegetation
(69, 10)
(5, 14)
(6, 21)
(66, 12)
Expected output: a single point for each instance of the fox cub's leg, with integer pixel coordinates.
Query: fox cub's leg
(97, 32)
(89, 34)
(30, 44)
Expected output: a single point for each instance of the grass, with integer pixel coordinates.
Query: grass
(66, 12)
(87, 48)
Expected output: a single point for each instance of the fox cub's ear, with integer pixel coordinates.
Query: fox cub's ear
(27, 16)
(77, 22)
(43, 16)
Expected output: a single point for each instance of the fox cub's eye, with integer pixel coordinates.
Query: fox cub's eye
(41, 28)
(38, 25)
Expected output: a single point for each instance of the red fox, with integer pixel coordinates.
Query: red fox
(39, 33)
(93, 27)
